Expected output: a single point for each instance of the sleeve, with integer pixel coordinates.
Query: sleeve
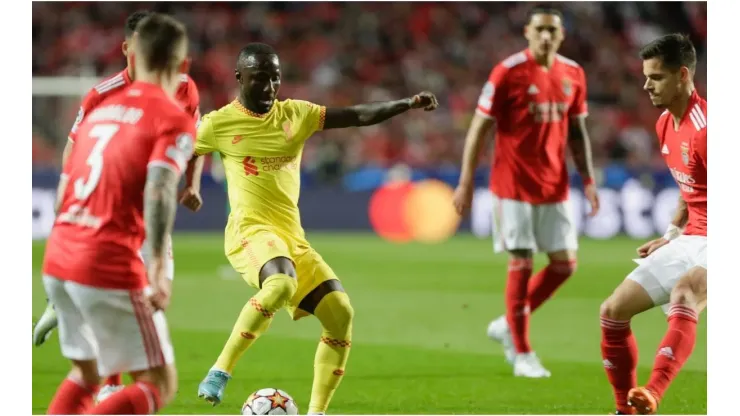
(173, 146)
(206, 139)
(88, 102)
(67, 167)
(493, 95)
(700, 146)
(311, 116)
(580, 105)
(193, 100)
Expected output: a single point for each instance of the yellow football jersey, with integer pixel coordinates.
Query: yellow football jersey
(261, 154)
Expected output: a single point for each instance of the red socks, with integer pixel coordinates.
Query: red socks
(517, 308)
(137, 399)
(547, 281)
(71, 398)
(619, 351)
(114, 380)
(675, 348)
(524, 296)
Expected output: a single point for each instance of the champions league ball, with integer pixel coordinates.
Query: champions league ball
(269, 402)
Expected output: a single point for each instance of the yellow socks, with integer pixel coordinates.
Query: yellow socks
(255, 318)
(335, 313)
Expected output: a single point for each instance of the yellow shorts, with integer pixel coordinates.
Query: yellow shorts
(256, 246)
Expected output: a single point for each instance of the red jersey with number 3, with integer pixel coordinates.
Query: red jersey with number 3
(685, 152)
(99, 230)
(532, 107)
(187, 95)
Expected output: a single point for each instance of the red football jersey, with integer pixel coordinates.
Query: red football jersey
(187, 95)
(99, 231)
(685, 152)
(532, 107)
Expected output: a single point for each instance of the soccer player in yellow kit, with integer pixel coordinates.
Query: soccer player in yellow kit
(260, 140)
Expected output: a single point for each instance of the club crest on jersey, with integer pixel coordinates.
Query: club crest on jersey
(288, 129)
(685, 153)
(567, 86)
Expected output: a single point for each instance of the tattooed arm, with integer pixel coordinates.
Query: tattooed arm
(681, 217)
(160, 203)
(580, 148)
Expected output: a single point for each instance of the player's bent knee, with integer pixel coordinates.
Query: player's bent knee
(563, 256)
(283, 285)
(611, 308)
(683, 294)
(691, 290)
(336, 313)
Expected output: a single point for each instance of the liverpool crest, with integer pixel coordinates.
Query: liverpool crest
(288, 130)
(567, 87)
(685, 153)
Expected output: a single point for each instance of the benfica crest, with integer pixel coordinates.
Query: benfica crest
(685, 153)
(567, 86)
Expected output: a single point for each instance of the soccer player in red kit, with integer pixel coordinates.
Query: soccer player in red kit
(188, 97)
(536, 102)
(673, 270)
(134, 143)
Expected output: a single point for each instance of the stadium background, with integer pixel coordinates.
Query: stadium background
(344, 53)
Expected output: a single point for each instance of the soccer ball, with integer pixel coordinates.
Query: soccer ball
(269, 402)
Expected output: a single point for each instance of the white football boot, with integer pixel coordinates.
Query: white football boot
(498, 330)
(528, 365)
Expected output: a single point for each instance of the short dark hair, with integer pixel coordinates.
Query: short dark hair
(544, 10)
(675, 50)
(255, 48)
(159, 38)
(133, 20)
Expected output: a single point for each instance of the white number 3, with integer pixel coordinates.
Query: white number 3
(103, 133)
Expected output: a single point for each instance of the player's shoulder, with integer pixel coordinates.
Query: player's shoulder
(156, 104)
(225, 115)
(513, 61)
(105, 88)
(291, 105)
(187, 85)
(698, 114)
(570, 66)
(569, 63)
(662, 120)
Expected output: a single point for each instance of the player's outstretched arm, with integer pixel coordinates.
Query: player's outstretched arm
(374, 113)
(580, 148)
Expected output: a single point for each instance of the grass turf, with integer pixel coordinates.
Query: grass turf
(419, 343)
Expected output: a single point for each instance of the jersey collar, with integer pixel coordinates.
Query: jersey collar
(250, 113)
(126, 78)
(693, 99)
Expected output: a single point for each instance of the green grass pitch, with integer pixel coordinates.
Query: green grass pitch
(419, 343)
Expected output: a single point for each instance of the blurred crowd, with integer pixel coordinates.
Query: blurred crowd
(344, 53)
